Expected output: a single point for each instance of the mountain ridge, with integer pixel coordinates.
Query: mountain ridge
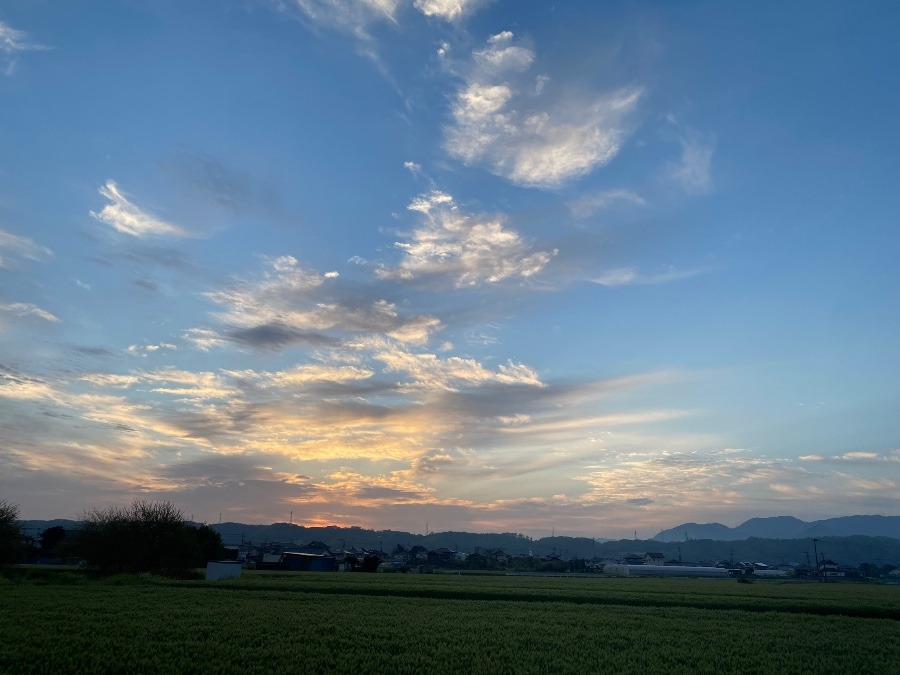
(852, 550)
(786, 527)
(775, 527)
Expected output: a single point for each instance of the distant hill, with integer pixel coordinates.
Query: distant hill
(787, 527)
(33, 528)
(711, 542)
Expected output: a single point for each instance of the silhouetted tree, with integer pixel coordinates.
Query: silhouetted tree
(10, 533)
(370, 563)
(210, 543)
(51, 538)
(145, 537)
(870, 570)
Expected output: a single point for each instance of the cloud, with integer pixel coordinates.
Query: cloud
(349, 16)
(204, 339)
(694, 170)
(375, 490)
(123, 216)
(501, 119)
(23, 247)
(626, 276)
(689, 477)
(355, 17)
(306, 374)
(148, 349)
(589, 204)
(860, 457)
(429, 371)
(465, 249)
(179, 383)
(872, 484)
(414, 168)
(26, 309)
(310, 436)
(278, 335)
(292, 305)
(214, 193)
(13, 40)
(449, 10)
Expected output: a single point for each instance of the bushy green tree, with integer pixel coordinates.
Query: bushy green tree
(145, 537)
(10, 533)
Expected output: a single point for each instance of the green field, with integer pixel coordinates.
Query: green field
(421, 623)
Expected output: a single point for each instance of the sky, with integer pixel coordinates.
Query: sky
(486, 265)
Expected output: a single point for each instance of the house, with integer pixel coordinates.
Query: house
(829, 568)
(654, 558)
(633, 559)
(497, 555)
(440, 557)
(315, 548)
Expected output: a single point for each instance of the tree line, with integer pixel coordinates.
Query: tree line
(145, 536)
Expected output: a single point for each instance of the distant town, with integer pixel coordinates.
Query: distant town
(319, 556)
(292, 547)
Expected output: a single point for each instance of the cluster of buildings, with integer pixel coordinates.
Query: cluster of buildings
(318, 556)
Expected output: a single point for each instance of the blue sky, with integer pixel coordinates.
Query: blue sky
(497, 266)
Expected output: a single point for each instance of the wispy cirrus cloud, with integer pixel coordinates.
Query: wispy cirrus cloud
(19, 246)
(589, 204)
(504, 118)
(351, 16)
(464, 249)
(124, 216)
(693, 172)
(856, 457)
(24, 309)
(13, 42)
(627, 276)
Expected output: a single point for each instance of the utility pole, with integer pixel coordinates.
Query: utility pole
(816, 554)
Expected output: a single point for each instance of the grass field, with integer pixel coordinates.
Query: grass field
(423, 623)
